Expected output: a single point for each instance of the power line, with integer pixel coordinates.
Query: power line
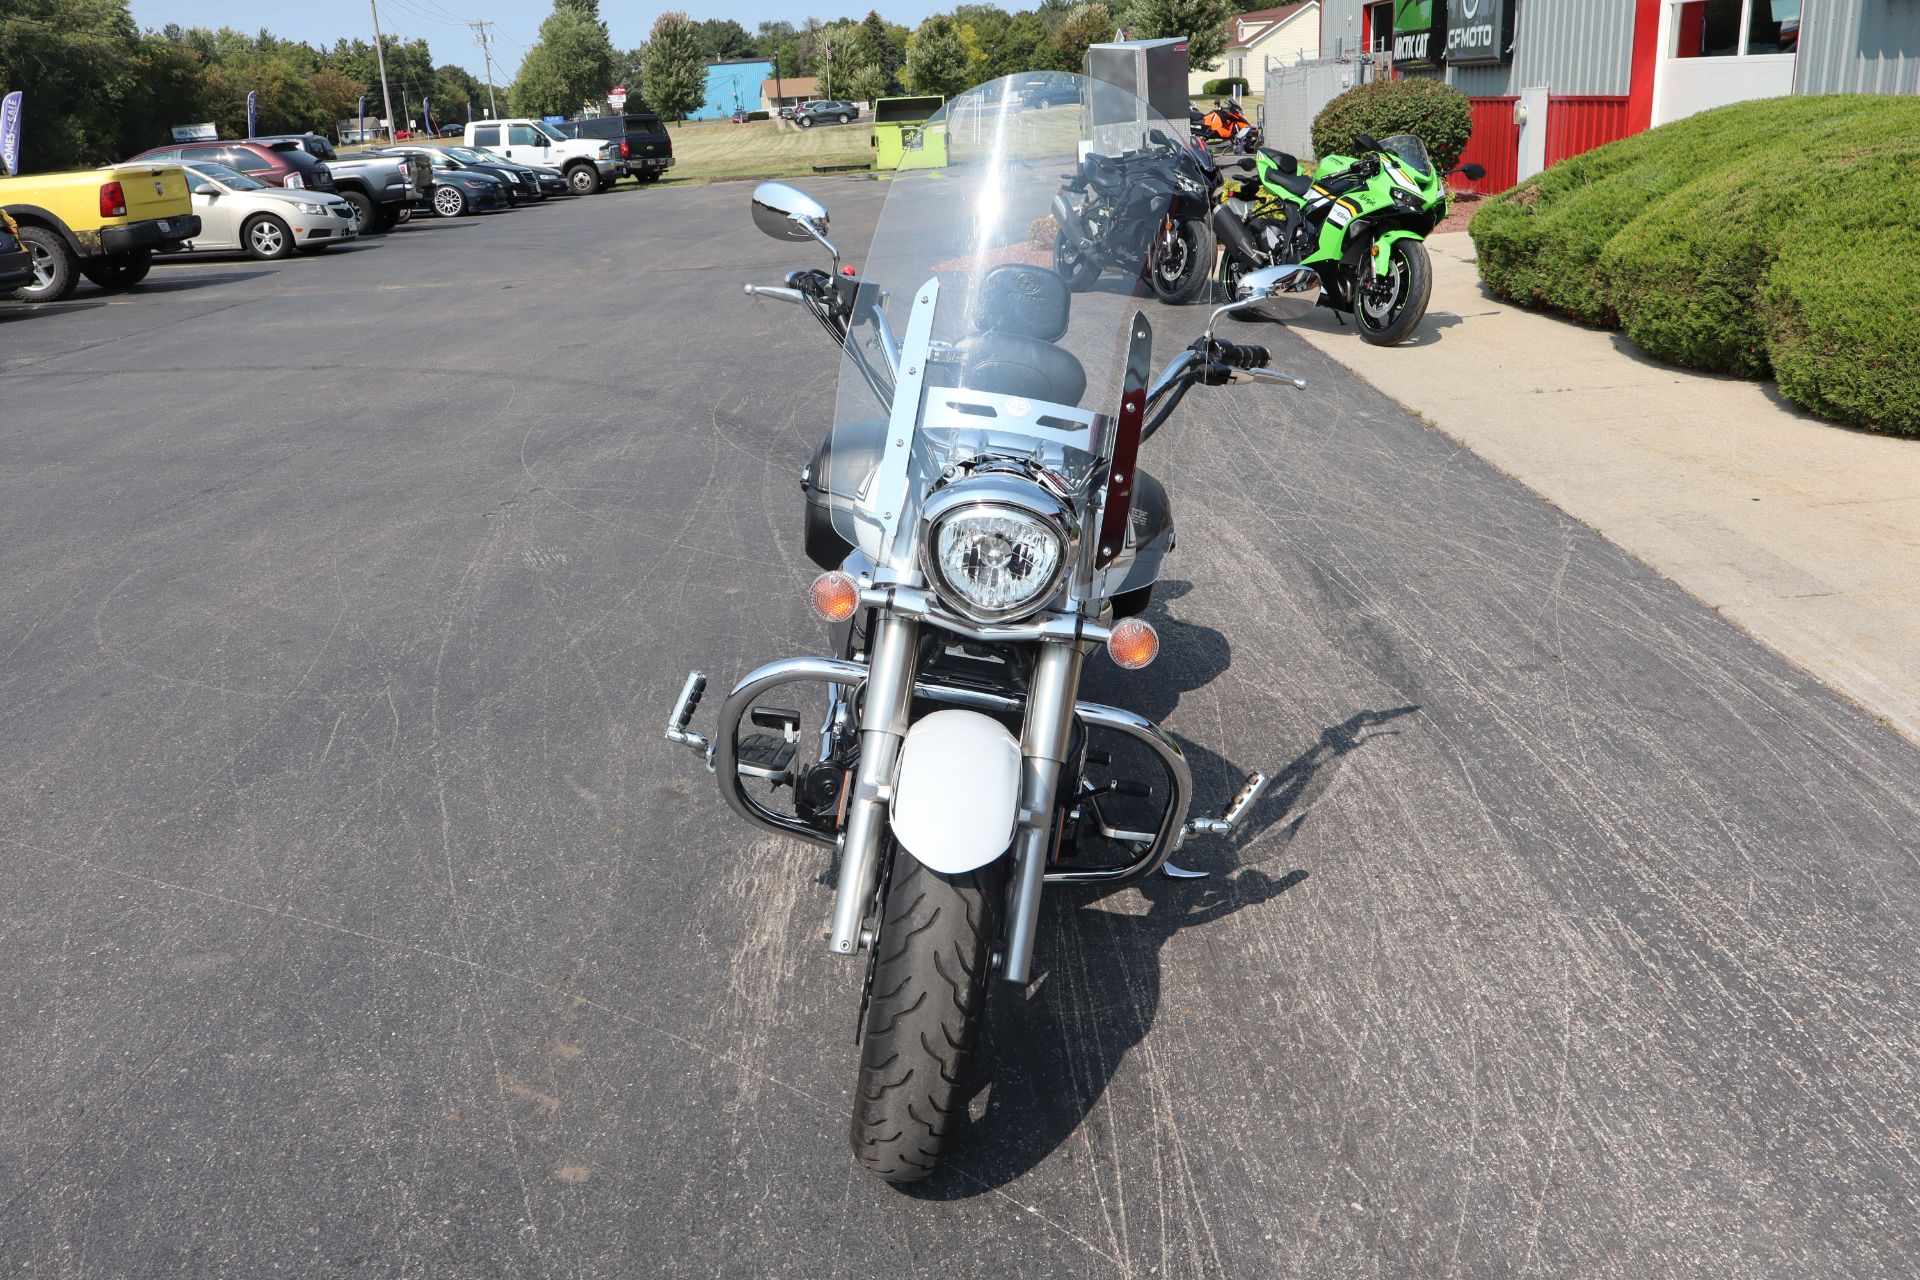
(483, 36)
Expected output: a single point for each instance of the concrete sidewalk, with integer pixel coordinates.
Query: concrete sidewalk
(1806, 534)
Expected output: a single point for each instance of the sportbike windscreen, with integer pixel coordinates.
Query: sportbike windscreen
(996, 357)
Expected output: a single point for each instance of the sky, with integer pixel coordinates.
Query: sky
(442, 23)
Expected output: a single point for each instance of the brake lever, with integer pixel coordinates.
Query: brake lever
(776, 292)
(1266, 375)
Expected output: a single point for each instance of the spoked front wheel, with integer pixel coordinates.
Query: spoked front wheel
(934, 952)
(1387, 309)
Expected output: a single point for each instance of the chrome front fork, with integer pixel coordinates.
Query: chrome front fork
(892, 653)
(1043, 751)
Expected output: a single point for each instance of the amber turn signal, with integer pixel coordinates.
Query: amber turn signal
(835, 596)
(1133, 644)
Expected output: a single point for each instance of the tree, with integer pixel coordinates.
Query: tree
(338, 96)
(1202, 22)
(569, 67)
(1085, 25)
(724, 38)
(675, 67)
(937, 60)
(628, 71)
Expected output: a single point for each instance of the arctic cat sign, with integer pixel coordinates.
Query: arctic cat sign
(1413, 33)
(1479, 31)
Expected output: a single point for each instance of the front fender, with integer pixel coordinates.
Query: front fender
(957, 795)
(1383, 257)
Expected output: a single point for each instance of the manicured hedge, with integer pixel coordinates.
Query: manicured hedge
(1433, 111)
(1231, 85)
(1717, 243)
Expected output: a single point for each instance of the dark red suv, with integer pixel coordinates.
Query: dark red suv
(278, 164)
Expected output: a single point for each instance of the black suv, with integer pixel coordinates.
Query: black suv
(644, 143)
(827, 110)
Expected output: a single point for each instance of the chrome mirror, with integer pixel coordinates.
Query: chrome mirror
(788, 214)
(1278, 293)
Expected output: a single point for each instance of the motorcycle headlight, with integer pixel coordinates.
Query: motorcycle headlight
(1408, 199)
(991, 554)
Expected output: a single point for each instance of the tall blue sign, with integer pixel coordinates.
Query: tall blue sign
(253, 113)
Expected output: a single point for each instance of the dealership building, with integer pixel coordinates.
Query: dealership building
(1550, 79)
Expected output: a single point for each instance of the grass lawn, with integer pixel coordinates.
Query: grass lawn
(708, 149)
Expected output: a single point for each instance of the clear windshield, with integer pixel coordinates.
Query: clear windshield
(1411, 150)
(551, 133)
(997, 358)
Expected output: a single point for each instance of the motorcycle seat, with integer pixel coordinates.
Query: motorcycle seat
(1297, 183)
(1105, 171)
(1013, 364)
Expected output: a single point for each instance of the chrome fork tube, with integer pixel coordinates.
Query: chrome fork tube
(892, 651)
(1043, 748)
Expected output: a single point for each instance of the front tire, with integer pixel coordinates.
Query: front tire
(118, 271)
(805, 122)
(929, 989)
(584, 179)
(1180, 271)
(266, 238)
(1387, 310)
(449, 202)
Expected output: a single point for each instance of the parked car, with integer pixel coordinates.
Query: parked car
(278, 164)
(826, 111)
(451, 130)
(100, 224)
(236, 212)
(552, 181)
(589, 164)
(1061, 92)
(643, 141)
(520, 182)
(16, 264)
(458, 191)
(382, 189)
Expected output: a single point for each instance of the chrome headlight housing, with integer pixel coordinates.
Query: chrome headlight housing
(995, 547)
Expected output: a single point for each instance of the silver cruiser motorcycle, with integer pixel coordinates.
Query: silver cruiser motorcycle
(984, 529)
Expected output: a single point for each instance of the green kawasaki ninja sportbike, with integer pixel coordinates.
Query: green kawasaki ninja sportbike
(1359, 221)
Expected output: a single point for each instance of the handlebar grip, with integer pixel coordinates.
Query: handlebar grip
(1244, 355)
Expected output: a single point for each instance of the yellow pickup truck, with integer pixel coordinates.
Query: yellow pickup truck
(103, 224)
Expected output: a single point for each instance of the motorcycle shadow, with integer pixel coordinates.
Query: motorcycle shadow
(1048, 1054)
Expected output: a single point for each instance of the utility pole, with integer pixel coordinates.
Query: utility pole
(483, 36)
(380, 52)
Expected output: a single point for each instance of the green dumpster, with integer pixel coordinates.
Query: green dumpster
(902, 138)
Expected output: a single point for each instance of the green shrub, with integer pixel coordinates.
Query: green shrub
(1231, 86)
(1436, 113)
(1674, 236)
(1841, 303)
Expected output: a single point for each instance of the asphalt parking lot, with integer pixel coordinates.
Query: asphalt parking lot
(358, 921)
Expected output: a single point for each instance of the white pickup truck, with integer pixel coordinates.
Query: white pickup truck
(589, 164)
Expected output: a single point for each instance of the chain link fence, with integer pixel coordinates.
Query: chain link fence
(1295, 94)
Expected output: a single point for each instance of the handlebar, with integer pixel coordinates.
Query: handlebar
(1241, 355)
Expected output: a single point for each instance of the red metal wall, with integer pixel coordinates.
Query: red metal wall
(1495, 143)
(1579, 124)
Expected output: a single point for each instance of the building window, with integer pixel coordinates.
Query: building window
(1735, 28)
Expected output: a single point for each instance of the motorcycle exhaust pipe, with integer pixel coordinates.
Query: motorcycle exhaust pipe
(1235, 238)
(1070, 223)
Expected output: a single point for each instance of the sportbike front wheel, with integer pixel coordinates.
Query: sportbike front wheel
(1183, 261)
(1388, 308)
(930, 970)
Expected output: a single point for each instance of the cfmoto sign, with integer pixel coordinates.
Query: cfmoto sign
(1479, 31)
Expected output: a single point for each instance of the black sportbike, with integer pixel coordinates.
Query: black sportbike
(1150, 205)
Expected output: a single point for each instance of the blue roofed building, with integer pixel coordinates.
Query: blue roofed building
(733, 84)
